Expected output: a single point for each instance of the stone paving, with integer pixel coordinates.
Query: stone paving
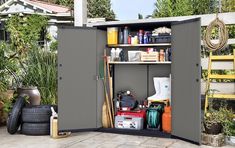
(91, 140)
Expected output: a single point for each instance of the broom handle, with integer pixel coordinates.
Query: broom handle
(106, 92)
(110, 89)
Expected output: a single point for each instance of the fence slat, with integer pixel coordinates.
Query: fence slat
(227, 88)
(226, 65)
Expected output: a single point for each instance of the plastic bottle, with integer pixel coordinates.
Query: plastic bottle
(122, 56)
(117, 52)
(125, 35)
(129, 39)
(166, 120)
(162, 55)
(141, 36)
(136, 41)
(146, 38)
(54, 126)
(166, 55)
(53, 123)
(112, 56)
(120, 36)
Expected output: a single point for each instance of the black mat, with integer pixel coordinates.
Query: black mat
(144, 132)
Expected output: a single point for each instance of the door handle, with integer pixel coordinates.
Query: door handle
(96, 78)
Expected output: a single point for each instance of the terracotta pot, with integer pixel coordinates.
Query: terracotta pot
(8, 94)
(1, 105)
(214, 129)
(3, 116)
(32, 92)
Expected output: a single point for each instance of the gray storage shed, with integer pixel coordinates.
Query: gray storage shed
(80, 90)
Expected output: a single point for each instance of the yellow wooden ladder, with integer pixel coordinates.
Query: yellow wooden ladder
(213, 76)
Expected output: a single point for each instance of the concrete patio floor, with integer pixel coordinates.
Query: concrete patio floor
(91, 140)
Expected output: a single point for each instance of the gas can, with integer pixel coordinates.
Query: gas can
(166, 120)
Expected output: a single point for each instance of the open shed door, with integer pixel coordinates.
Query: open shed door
(77, 84)
(186, 75)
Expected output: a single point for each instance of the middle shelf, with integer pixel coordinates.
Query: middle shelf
(167, 62)
(139, 45)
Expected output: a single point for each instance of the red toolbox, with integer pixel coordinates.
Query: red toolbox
(138, 113)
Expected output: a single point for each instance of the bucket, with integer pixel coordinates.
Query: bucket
(112, 35)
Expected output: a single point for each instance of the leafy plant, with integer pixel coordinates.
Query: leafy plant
(9, 102)
(54, 46)
(228, 123)
(100, 8)
(42, 72)
(212, 117)
(229, 128)
(25, 32)
(7, 67)
(68, 3)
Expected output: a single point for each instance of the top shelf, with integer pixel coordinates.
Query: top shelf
(140, 45)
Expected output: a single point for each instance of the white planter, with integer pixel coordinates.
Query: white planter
(230, 140)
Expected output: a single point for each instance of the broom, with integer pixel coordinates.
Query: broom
(106, 111)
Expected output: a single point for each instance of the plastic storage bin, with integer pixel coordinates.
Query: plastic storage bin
(112, 35)
(127, 122)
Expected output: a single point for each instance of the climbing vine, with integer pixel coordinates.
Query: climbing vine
(25, 32)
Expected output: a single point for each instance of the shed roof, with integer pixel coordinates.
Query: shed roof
(44, 6)
(49, 6)
(228, 18)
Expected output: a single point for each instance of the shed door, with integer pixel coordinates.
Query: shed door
(186, 101)
(77, 79)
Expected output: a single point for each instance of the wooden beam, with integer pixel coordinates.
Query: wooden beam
(222, 96)
(222, 76)
(223, 58)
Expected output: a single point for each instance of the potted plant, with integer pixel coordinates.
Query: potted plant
(24, 38)
(7, 80)
(212, 122)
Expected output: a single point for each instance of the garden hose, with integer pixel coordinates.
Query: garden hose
(153, 116)
(223, 35)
